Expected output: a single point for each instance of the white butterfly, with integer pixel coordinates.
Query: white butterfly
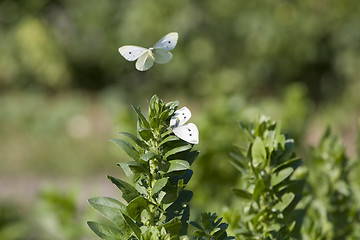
(146, 57)
(187, 132)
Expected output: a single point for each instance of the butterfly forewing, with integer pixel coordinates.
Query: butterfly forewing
(188, 132)
(131, 53)
(161, 56)
(144, 62)
(180, 117)
(168, 42)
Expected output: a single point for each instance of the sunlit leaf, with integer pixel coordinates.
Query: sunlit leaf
(136, 206)
(178, 165)
(286, 199)
(143, 120)
(138, 142)
(129, 192)
(107, 232)
(159, 184)
(147, 156)
(127, 147)
(112, 210)
(126, 169)
(281, 175)
(177, 150)
(168, 139)
(258, 152)
(133, 226)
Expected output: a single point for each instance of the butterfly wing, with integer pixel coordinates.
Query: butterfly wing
(188, 132)
(180, 117)
(144, 62)
(168, 42)
(131, 53)
(161, 56)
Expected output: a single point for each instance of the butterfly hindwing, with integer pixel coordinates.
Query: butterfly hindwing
(180, 117)
(131, 53)
(144, 62)
(161, 56)
(168, 42)
(188, 132)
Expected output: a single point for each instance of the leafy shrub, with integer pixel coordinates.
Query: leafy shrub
(332, 212)
(157, 204)
(270, 188)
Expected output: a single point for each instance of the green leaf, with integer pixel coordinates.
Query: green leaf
(164, 115)
(294, 163)
(138, 170)
(242, 194)
(112, 210)
(155, 122)
(168, 139)
(127, 147)
(178, 165)
(164, 134)
(138, 142)
(126, 169)
(133, 226)
(280, 176)
(259, 189)
(143, 120)
(107, 232)
(154, 101)
(145, 133)
(258, 152)
(289, 148)
(172, 105)
(177, 150)
(286, 199)
(129, 192)
(147, 156)
(180, 204)
(172, 226)
(136, 206)
(159, 184)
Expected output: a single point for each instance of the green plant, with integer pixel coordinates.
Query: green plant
(210, 228)
(332, 212)
(156, 200)
(271, 183)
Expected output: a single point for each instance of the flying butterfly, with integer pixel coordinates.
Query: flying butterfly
(146, 57)
(187, 132)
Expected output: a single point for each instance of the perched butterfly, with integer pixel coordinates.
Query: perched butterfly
(187, 132)
(146, 57)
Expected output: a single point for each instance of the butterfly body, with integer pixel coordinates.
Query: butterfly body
(146, 57)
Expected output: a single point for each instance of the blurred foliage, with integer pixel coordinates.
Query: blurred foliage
(56, 215)
(73, 128)
(333, 212)
(254, 47)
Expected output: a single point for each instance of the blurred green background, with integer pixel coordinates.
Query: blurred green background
(65, 90)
